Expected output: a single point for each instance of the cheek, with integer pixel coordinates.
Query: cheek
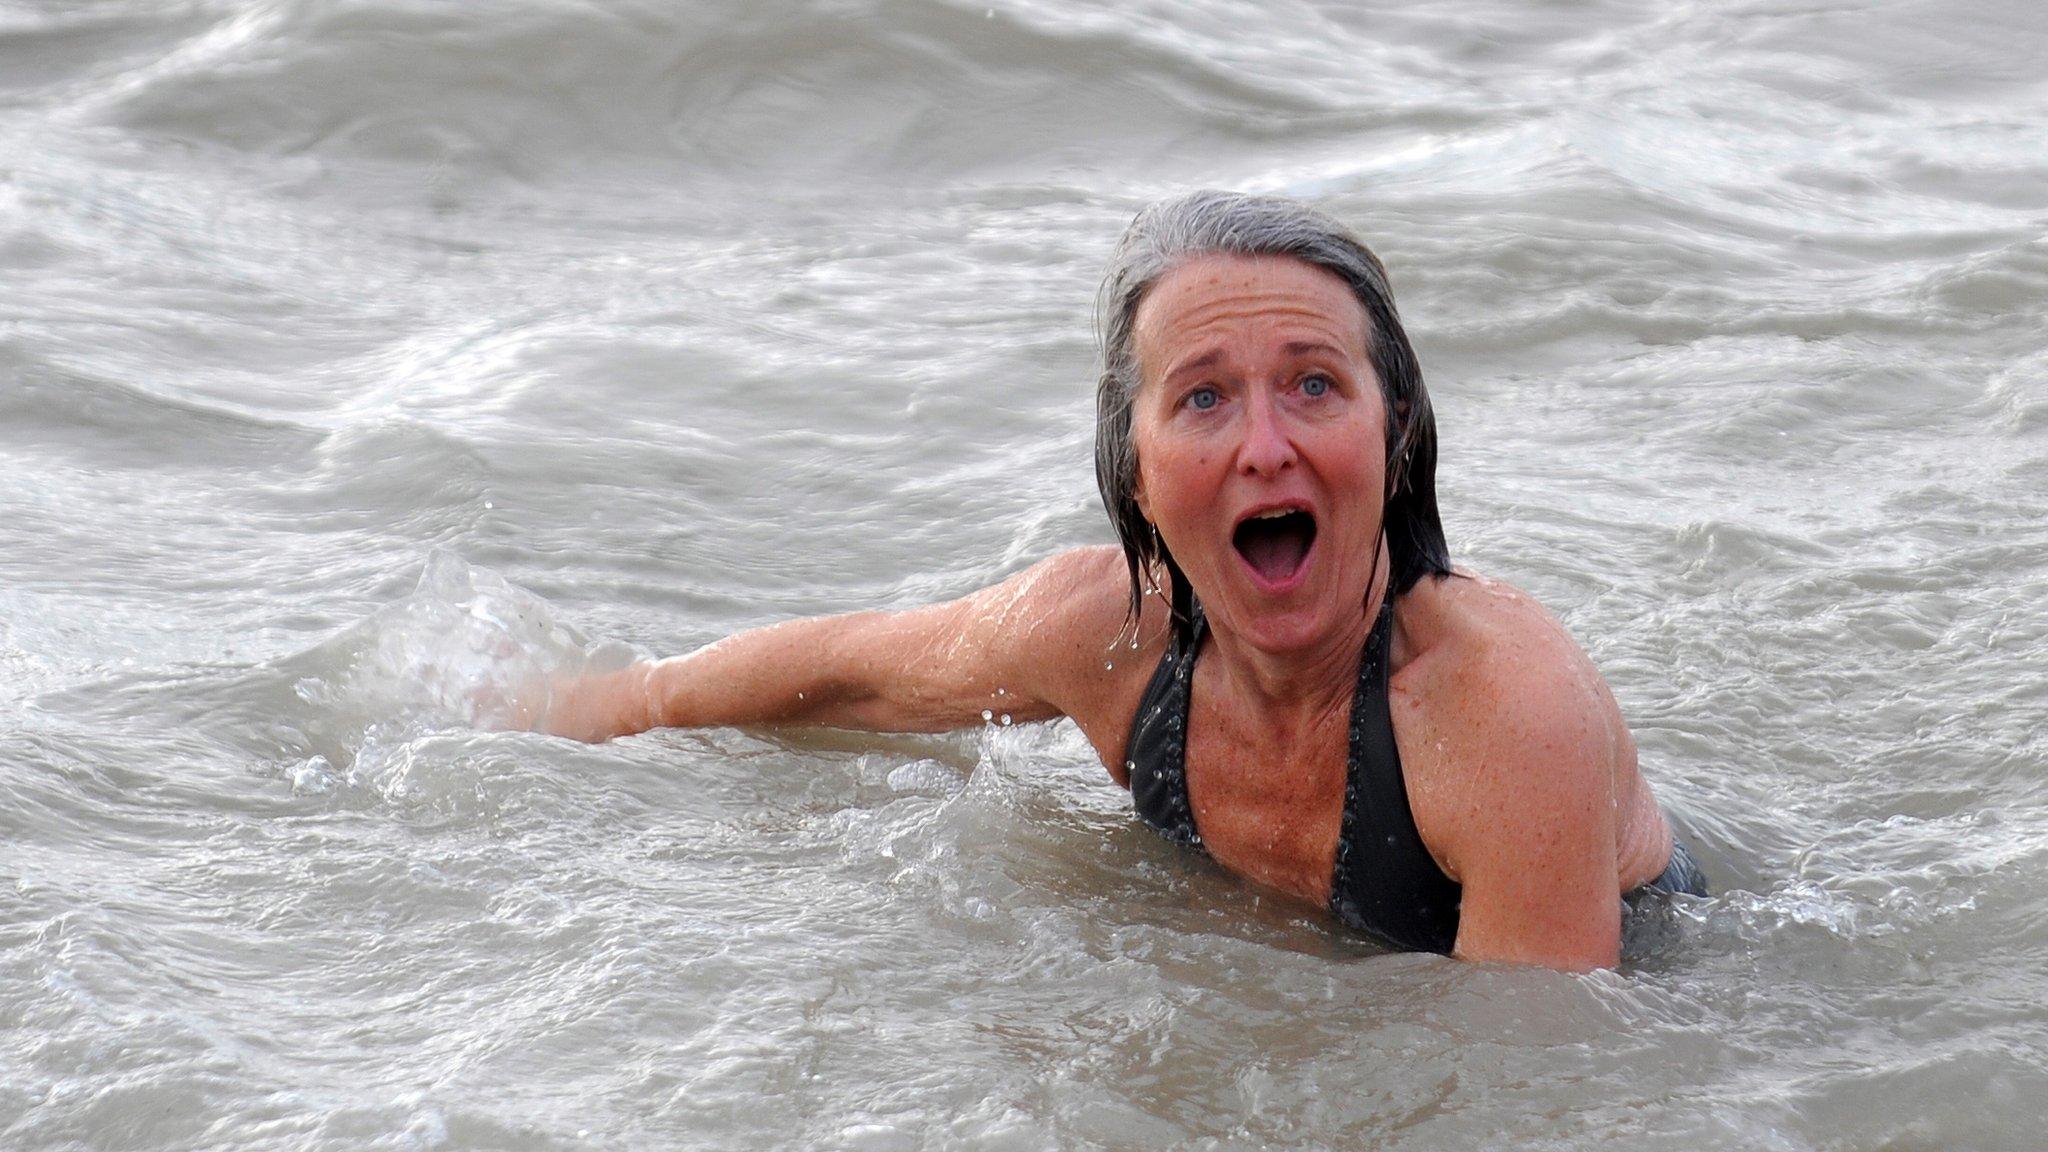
(1175, 488)
(1355, 450)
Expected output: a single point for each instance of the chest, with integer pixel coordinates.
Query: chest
(1269, 804)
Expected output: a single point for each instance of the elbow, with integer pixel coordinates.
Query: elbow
(1584, 954)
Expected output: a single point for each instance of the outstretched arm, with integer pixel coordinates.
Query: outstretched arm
(1019, 648)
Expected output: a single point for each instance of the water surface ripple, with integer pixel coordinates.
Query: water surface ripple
(357, 356)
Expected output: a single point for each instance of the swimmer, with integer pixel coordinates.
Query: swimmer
(1279, 662)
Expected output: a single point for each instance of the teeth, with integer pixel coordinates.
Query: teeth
(1275, 514)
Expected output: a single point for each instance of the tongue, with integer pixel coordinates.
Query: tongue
(1275, 555)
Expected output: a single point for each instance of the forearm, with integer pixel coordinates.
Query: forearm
(796, 672)
(800, 672)
(999, 651)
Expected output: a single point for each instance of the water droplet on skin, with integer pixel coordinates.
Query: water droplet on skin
(987, 715)
(1109, 666)
(1006, 719)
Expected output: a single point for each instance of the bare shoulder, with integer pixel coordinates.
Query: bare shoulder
(1079, 595)
(1474, 635)
(1067, 622)
(1511, 726)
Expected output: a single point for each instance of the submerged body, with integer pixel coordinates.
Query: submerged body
(1384, 881)
(1269, 465)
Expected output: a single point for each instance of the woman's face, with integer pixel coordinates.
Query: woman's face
(1260, 435)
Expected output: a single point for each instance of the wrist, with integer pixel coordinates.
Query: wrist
(653, 681)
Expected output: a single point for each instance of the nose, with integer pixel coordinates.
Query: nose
(1268, 447)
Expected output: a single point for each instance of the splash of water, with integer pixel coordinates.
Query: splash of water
(467, 650)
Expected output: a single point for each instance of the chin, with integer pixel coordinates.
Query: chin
(1278, 630)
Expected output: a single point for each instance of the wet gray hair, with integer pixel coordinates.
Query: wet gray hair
(1166, 235)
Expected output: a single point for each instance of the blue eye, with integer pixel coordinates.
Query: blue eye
(1315, 386)
(1202, 399)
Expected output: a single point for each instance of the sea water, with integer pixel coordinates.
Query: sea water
(364, 360)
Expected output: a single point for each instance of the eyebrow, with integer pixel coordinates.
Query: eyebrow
(1214, 356)
(1303, 347)
(1207, 359)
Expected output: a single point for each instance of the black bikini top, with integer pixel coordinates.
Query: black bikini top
(1386, 883)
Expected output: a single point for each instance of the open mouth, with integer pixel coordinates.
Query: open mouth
(1276, 543)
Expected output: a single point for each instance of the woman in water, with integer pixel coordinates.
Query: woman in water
(1316, 698)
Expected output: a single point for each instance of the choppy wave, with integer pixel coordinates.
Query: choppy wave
(670, 320)
(527, 91)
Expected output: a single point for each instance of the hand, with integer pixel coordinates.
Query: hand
(592, 707)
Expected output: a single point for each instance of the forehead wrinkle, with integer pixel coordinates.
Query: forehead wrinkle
(1206, 333)
(1243, 298)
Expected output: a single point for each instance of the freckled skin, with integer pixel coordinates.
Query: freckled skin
(1520, 771)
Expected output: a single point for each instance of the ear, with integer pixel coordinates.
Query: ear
(1138, 497)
